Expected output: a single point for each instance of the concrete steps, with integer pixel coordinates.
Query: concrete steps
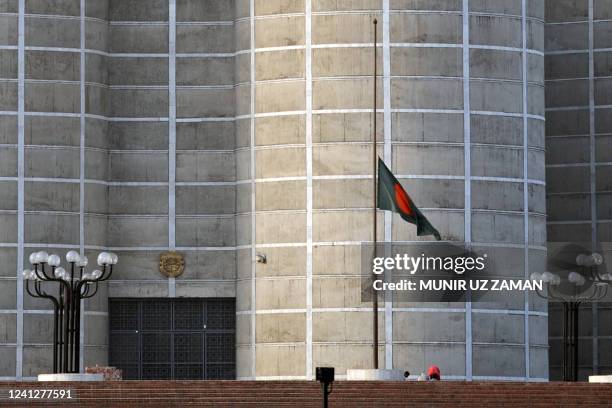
(153, 394)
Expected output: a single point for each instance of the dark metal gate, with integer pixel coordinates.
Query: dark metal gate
(173, 338)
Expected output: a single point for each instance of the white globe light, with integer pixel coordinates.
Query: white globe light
(33, 258)
(547, 277)
(42, 257)
(114, 258)
(593, 259)
(607, 277)
(556, 281)
(96, 274)
(26, 274)
(82, 261)
(536, 276)
(60, 273)
(73, 256)
(597, 258)
(33, 275)
(54, 260)
(86, 276)
(104, 258)
(576, 278)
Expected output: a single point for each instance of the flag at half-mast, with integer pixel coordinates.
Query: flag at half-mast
(393, 197)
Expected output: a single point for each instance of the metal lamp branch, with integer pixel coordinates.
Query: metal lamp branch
(72, 286)
(572, 301)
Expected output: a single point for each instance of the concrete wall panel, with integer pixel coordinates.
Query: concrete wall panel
(289, 195)
(135, 10)
(52, 65)
(211, 10)
(8, 199)
(51, 197)
(205, 71)
(425, 28)
(280, 227)
(127, 166)
(138, 38)
(97, 9)
(204, 166)
(489, 360)
(415, 159)
(280, 328)
(138, 200)
(138, 103)
(427, 127)
(205, 200)
(133, 232)
(96, 35)
(213, 265)
(8, 30)
(282, 261)
(194, 103)
(8, 96)
(567, 37)
(138, 71)
(207, 39)
(52, 32)
(205, 135)
(426, 93)
(50, 228)
(263, 7)
(8, 124)
(279, 32)
(340, 28)
(414, 357)
(194, 231)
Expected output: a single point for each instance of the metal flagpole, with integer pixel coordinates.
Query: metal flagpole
(374, 205)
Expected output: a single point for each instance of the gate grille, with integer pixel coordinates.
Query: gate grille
(182, 339)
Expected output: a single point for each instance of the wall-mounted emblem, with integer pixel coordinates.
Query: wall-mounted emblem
(171, 264)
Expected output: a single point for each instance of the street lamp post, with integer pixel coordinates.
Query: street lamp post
(574, 290)
(72, 286)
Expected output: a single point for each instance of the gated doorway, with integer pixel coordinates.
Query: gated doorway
(166, 339)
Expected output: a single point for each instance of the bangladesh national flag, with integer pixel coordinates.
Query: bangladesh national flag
(393, 197)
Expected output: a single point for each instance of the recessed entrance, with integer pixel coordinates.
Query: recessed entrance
(166, 339)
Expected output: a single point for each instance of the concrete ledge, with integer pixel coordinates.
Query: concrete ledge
(600, 378)
(375, 375)
(70, 377)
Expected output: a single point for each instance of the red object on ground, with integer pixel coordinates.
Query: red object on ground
(434, 372)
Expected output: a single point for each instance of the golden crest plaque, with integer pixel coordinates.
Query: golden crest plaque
(171, 264)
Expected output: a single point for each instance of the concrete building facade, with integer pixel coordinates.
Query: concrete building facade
(578, 129)
(226, 129)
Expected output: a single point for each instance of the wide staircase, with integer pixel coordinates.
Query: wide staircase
(296, 394)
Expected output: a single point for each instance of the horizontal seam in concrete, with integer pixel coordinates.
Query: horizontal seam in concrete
(297, 47)
(279, 114)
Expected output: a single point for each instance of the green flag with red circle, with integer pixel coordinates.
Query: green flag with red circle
(393, 197)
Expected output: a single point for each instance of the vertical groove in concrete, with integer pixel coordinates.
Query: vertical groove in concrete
(525, 178)
(82, 173)
(467, 170)
(308, 71)
(252, 175)
(593, 175)
(20, 183)
(388, 159)
(172, 136)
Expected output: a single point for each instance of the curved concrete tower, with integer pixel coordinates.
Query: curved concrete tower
(460, 114)
(578, 140)
(231, 129)
(51, 97)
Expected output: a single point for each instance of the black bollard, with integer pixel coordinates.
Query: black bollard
(325, 375)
